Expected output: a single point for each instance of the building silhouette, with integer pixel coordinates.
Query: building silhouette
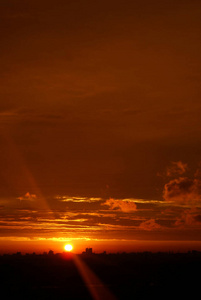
(88, 251)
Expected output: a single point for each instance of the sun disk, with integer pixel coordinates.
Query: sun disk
(68, 247)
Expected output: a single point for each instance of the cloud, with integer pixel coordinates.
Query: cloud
(122, 205)
(28, 197)
(149, 225)
(198, 218)
(183, 190)
(188, 218)
(78, 199)
(176, 168)
(198, 171)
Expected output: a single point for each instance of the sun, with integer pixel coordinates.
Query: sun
(68, 247)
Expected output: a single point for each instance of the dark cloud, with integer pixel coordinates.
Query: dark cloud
(198, 171)
(198, 218)
(183, 191)
(189, 219)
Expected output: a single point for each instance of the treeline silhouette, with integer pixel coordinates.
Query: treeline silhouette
(127, 275)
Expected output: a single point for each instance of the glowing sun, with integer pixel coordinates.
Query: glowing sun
(68, 247)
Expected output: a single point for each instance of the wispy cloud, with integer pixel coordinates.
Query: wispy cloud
(122, 205)
(77, 199)
(28, 197)
(176, 168)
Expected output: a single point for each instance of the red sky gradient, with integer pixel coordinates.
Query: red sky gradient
(100, 125)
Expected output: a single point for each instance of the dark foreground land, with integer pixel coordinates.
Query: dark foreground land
(127, 276)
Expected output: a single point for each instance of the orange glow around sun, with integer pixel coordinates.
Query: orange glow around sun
(68, 247)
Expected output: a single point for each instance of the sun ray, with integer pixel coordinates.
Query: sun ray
(30, 180)
(95, 286)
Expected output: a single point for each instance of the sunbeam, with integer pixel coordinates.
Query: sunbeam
(95, 286)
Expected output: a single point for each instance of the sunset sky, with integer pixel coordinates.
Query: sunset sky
(100, 124)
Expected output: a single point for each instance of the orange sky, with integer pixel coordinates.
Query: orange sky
(100, 122)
